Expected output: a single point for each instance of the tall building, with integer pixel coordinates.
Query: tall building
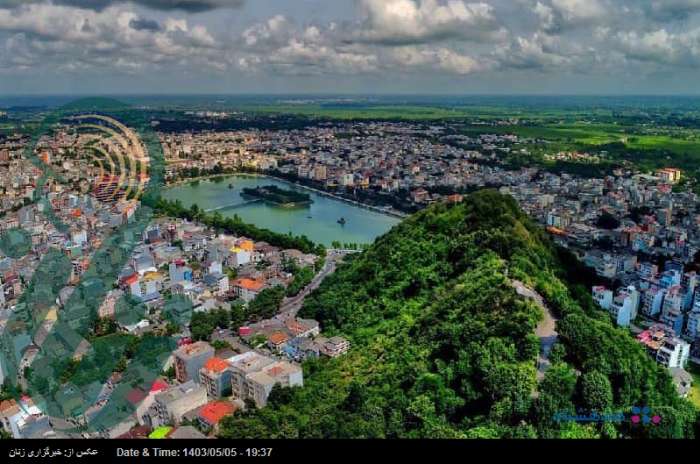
(320, 172)
(671, 310)
(215, 376)
(651, 301)
(692, 329)
(280, 373)
(172, 404)
(243, 365)
(189, 359)
(674, 352)
(254, 376)
(689, 282)
(602, 296)
(624, 306)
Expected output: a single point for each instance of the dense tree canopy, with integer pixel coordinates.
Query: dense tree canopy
(442, 345)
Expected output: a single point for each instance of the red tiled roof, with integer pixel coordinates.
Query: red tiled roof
(158, 385)
(215, 364)
(249, 284)
(214, 411)
(278, 338)
(8, 405)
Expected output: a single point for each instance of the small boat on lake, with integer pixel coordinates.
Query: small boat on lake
(342, 221)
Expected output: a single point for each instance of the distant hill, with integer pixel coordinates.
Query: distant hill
(443, 346)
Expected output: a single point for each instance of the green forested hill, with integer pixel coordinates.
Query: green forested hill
(442, 346)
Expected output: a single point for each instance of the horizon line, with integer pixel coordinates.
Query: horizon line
(347, 94)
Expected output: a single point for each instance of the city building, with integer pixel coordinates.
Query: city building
(254, 376)
(624, 306)
(215, 376)
(189, 359)
(213, 412)
(674, 352)
(172, 404)
(603, 297)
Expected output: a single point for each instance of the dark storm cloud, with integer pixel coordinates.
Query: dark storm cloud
(143, 24)
(671, 9)
(191, 6)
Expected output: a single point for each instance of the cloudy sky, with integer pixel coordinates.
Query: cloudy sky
(350, 46)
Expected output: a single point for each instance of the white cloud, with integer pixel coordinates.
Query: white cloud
(397, 22)
(442, 59)
(661, 47)
(539, 51)
(382, 38)
(71, 38)
(579, 10)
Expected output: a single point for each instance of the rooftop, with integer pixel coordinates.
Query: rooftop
(214, 411)
(250, 362)
(216, 365)
(194, 349)
(249, 284)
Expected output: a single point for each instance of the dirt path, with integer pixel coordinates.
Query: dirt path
(546, 329)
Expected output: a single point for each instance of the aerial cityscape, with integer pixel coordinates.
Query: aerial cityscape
(380, 219)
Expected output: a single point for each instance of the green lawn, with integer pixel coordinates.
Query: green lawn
(694, 395)
(160, 432)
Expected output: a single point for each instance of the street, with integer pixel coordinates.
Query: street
(290, 306)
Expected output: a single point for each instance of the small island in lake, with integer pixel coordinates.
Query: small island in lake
(278, 196)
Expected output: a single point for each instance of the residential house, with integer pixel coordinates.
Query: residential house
(247, 289)
(277, 340)
(334, 346)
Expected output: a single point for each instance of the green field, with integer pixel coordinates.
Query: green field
(428, 111)
(564, 128)
(694, 395)
(408, 112)
(685, 141)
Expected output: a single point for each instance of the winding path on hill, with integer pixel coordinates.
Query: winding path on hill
(546, 329)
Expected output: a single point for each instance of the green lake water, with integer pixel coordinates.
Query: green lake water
(318, 221)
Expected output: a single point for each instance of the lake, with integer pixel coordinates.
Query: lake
(318, 221)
